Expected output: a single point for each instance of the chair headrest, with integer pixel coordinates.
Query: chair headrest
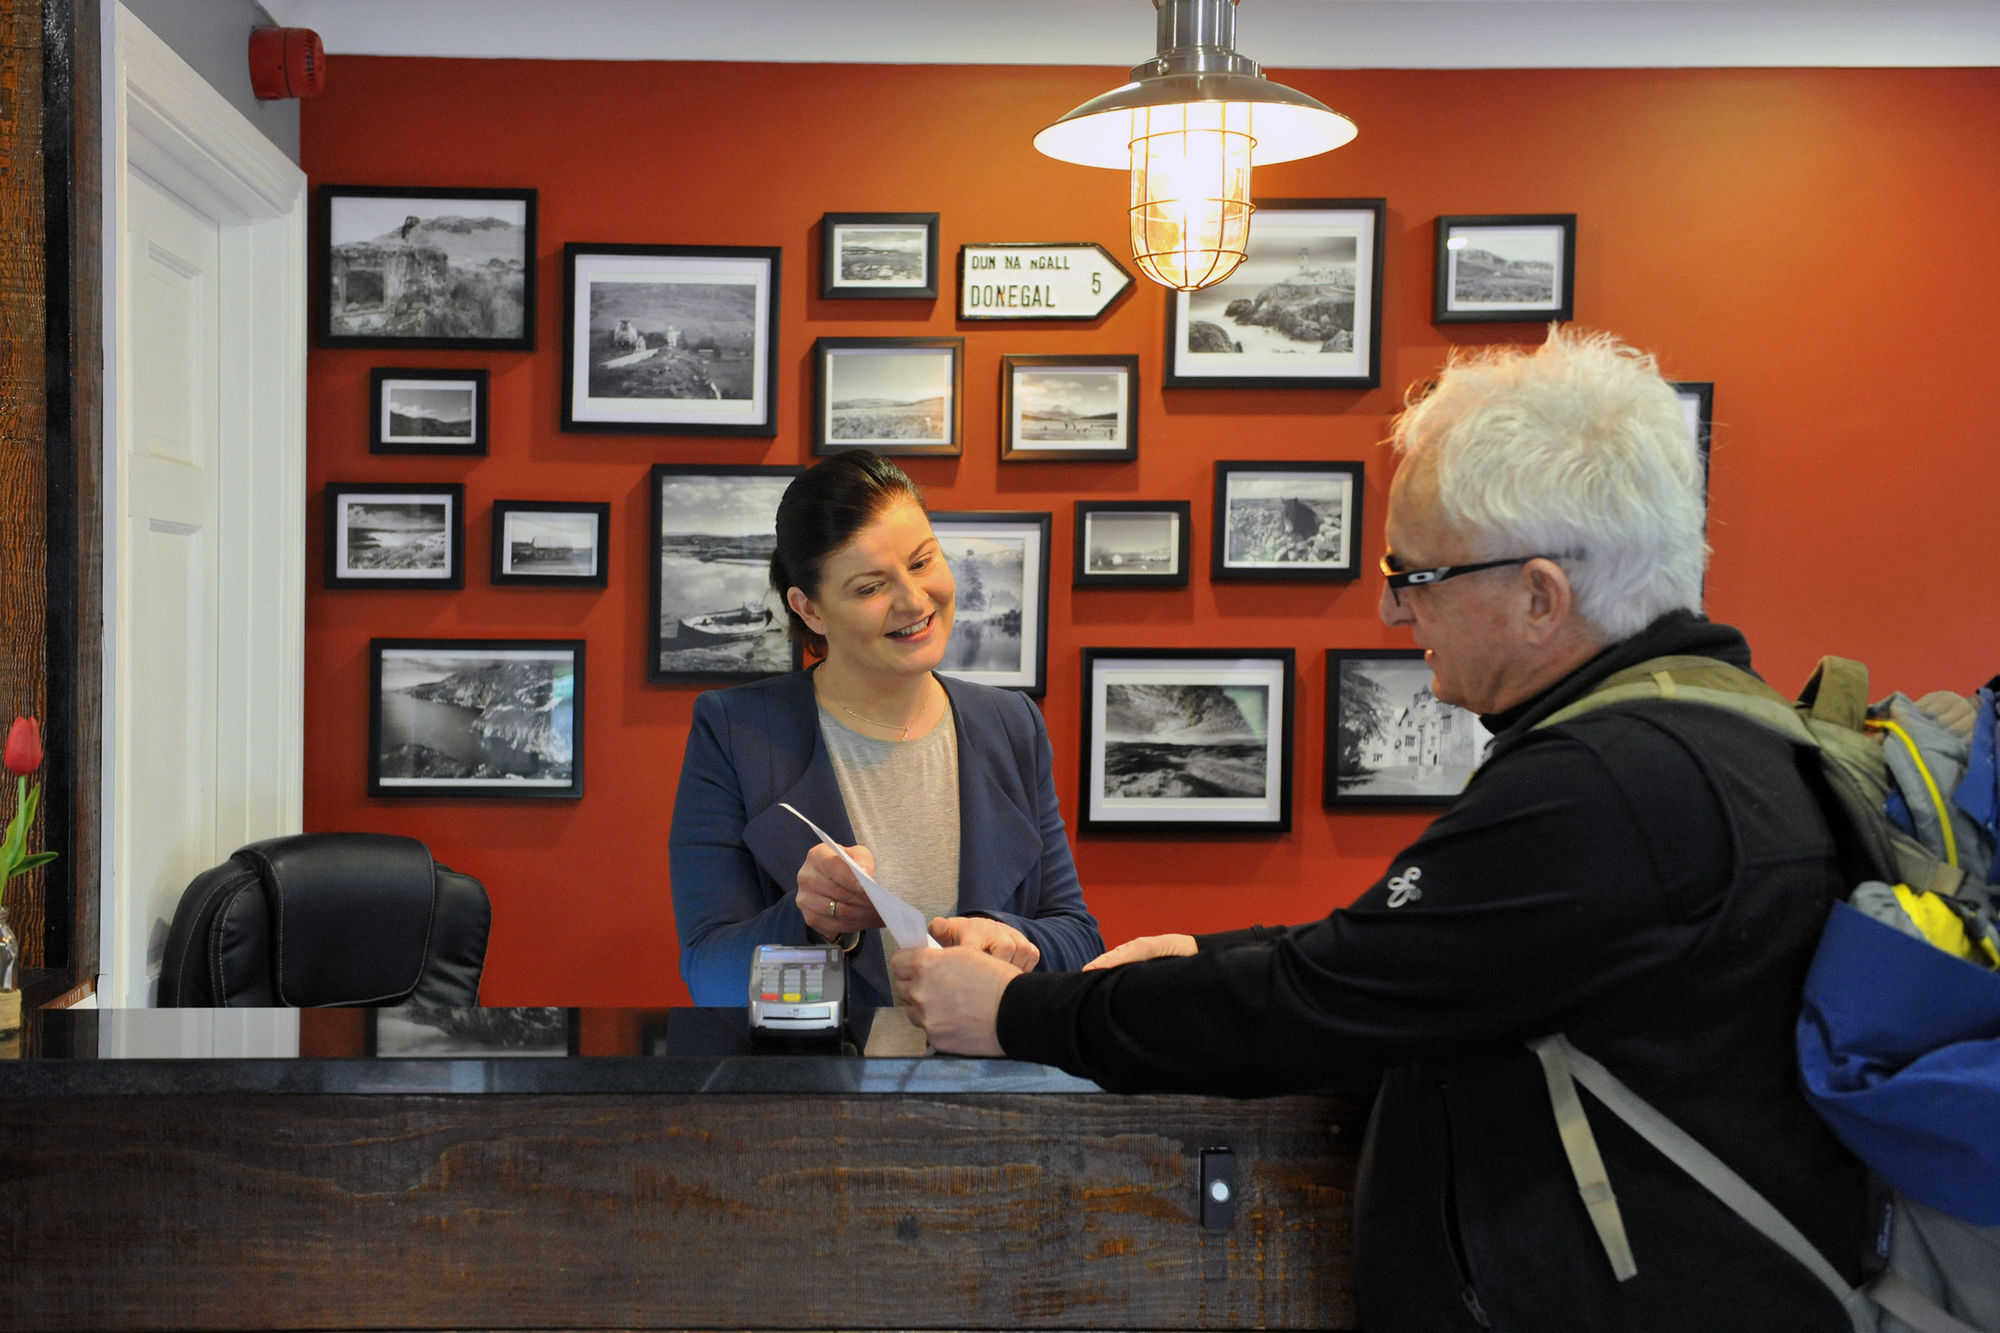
(350, 912)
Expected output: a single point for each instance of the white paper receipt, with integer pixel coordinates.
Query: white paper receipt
(905, 922)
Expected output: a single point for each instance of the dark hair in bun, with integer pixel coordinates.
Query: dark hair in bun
(821, 512)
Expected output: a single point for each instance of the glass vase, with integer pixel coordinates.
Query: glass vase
(10, 953)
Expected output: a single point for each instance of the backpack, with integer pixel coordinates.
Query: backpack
(1899, 1035)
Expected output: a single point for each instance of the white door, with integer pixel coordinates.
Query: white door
(170, 483)
(204, 533)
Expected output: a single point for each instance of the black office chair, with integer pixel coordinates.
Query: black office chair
(327, 919)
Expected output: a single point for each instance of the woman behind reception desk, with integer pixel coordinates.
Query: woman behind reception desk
(942, 789)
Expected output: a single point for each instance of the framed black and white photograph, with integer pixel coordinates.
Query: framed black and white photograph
(714, 616)
(1000, 614)
(1303, 310)
(424, 1032)
(1132, 543)
(893, 255)
(427, 411)
(670, 339)
(383, 536)
(1389, 741)
(1504, 267)
(892, 395)
(1069, 409)
(550, 543)
(1698, 407)
(406, 266)
(1187, 740)
(1287, 520)
(475, 717)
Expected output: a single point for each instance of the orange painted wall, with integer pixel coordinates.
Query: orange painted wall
(1818, 243)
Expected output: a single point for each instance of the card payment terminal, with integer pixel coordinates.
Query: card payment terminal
(798, 989)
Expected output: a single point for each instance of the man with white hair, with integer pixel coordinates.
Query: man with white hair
(1649, 878)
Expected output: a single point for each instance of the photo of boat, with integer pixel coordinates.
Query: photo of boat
(746, 622)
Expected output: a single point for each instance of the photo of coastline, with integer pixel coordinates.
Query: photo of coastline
(475, 716)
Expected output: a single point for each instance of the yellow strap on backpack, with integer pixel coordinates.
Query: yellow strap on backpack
(1944, 928)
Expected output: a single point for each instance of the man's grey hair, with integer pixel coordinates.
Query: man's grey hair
(1577, 449)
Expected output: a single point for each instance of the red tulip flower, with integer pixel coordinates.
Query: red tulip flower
(24, 756)
(24, 747)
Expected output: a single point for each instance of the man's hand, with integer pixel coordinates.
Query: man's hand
(994, 938)
(1146, 946)
(829, 897)
(953, 995)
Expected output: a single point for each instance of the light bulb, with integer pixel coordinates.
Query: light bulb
(1191, 206)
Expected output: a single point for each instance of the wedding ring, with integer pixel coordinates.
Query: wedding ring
(833, 907)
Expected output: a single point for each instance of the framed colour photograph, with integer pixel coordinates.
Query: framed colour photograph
(382, 536)
(1069, 409)
(1132, 543)
(410, 266)
(427, 411)
(714, 617)
(1388, 739)
(892, 395)
(1000, 616)
(881, 255)
(1187, 740)
(1504, 267)
(1303, 310)
(670, 339)
(1287, 520)
(550, 543)
(475, 717)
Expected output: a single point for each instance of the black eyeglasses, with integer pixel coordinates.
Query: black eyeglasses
(1399, 578)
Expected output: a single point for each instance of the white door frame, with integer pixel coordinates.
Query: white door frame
(164, 120)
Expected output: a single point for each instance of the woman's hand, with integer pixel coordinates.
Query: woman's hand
(1146, 946)
(994, 938)
(830, 898)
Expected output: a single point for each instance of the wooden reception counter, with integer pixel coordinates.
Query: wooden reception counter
(595, 1169)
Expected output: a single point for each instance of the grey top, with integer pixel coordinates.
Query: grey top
(902, 798)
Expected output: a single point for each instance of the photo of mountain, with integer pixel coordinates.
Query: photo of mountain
(422, 266)
(480, 716)
(1186, 740)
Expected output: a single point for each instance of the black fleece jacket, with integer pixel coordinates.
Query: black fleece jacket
(1651, 879)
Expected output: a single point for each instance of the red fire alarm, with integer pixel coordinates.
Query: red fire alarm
(286, 62)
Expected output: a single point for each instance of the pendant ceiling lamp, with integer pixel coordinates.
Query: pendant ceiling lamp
(1189, 126)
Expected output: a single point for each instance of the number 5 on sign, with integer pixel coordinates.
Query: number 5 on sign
(1070, 281)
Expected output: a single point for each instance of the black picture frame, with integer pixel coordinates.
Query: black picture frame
(1389, 741)
(878, 256)
(896, 396)
(385, 280)
(532, 692)
(1116, 545)
(536, 544)
(1267, 341)
(1271, 517)
(1697, 399)
(414, 410)
(1529, 274)
(1138, 747)
(1000, 617)
(670, 339)
(1069, 409)
(384, 536)
(714, 528)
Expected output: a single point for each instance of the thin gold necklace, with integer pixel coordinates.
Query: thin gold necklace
(888, 726)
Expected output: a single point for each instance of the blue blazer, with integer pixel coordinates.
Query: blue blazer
(734, 856)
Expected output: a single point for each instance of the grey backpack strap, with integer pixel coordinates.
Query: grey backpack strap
(1908, 1304)
(1585, 1162)
(1708, 1170)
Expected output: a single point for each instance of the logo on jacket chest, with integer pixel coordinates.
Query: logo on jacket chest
(1403, 888)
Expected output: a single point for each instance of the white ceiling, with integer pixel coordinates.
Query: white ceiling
(1281, 34)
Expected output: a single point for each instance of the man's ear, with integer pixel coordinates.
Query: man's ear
(1551, 601)
(802, 606)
